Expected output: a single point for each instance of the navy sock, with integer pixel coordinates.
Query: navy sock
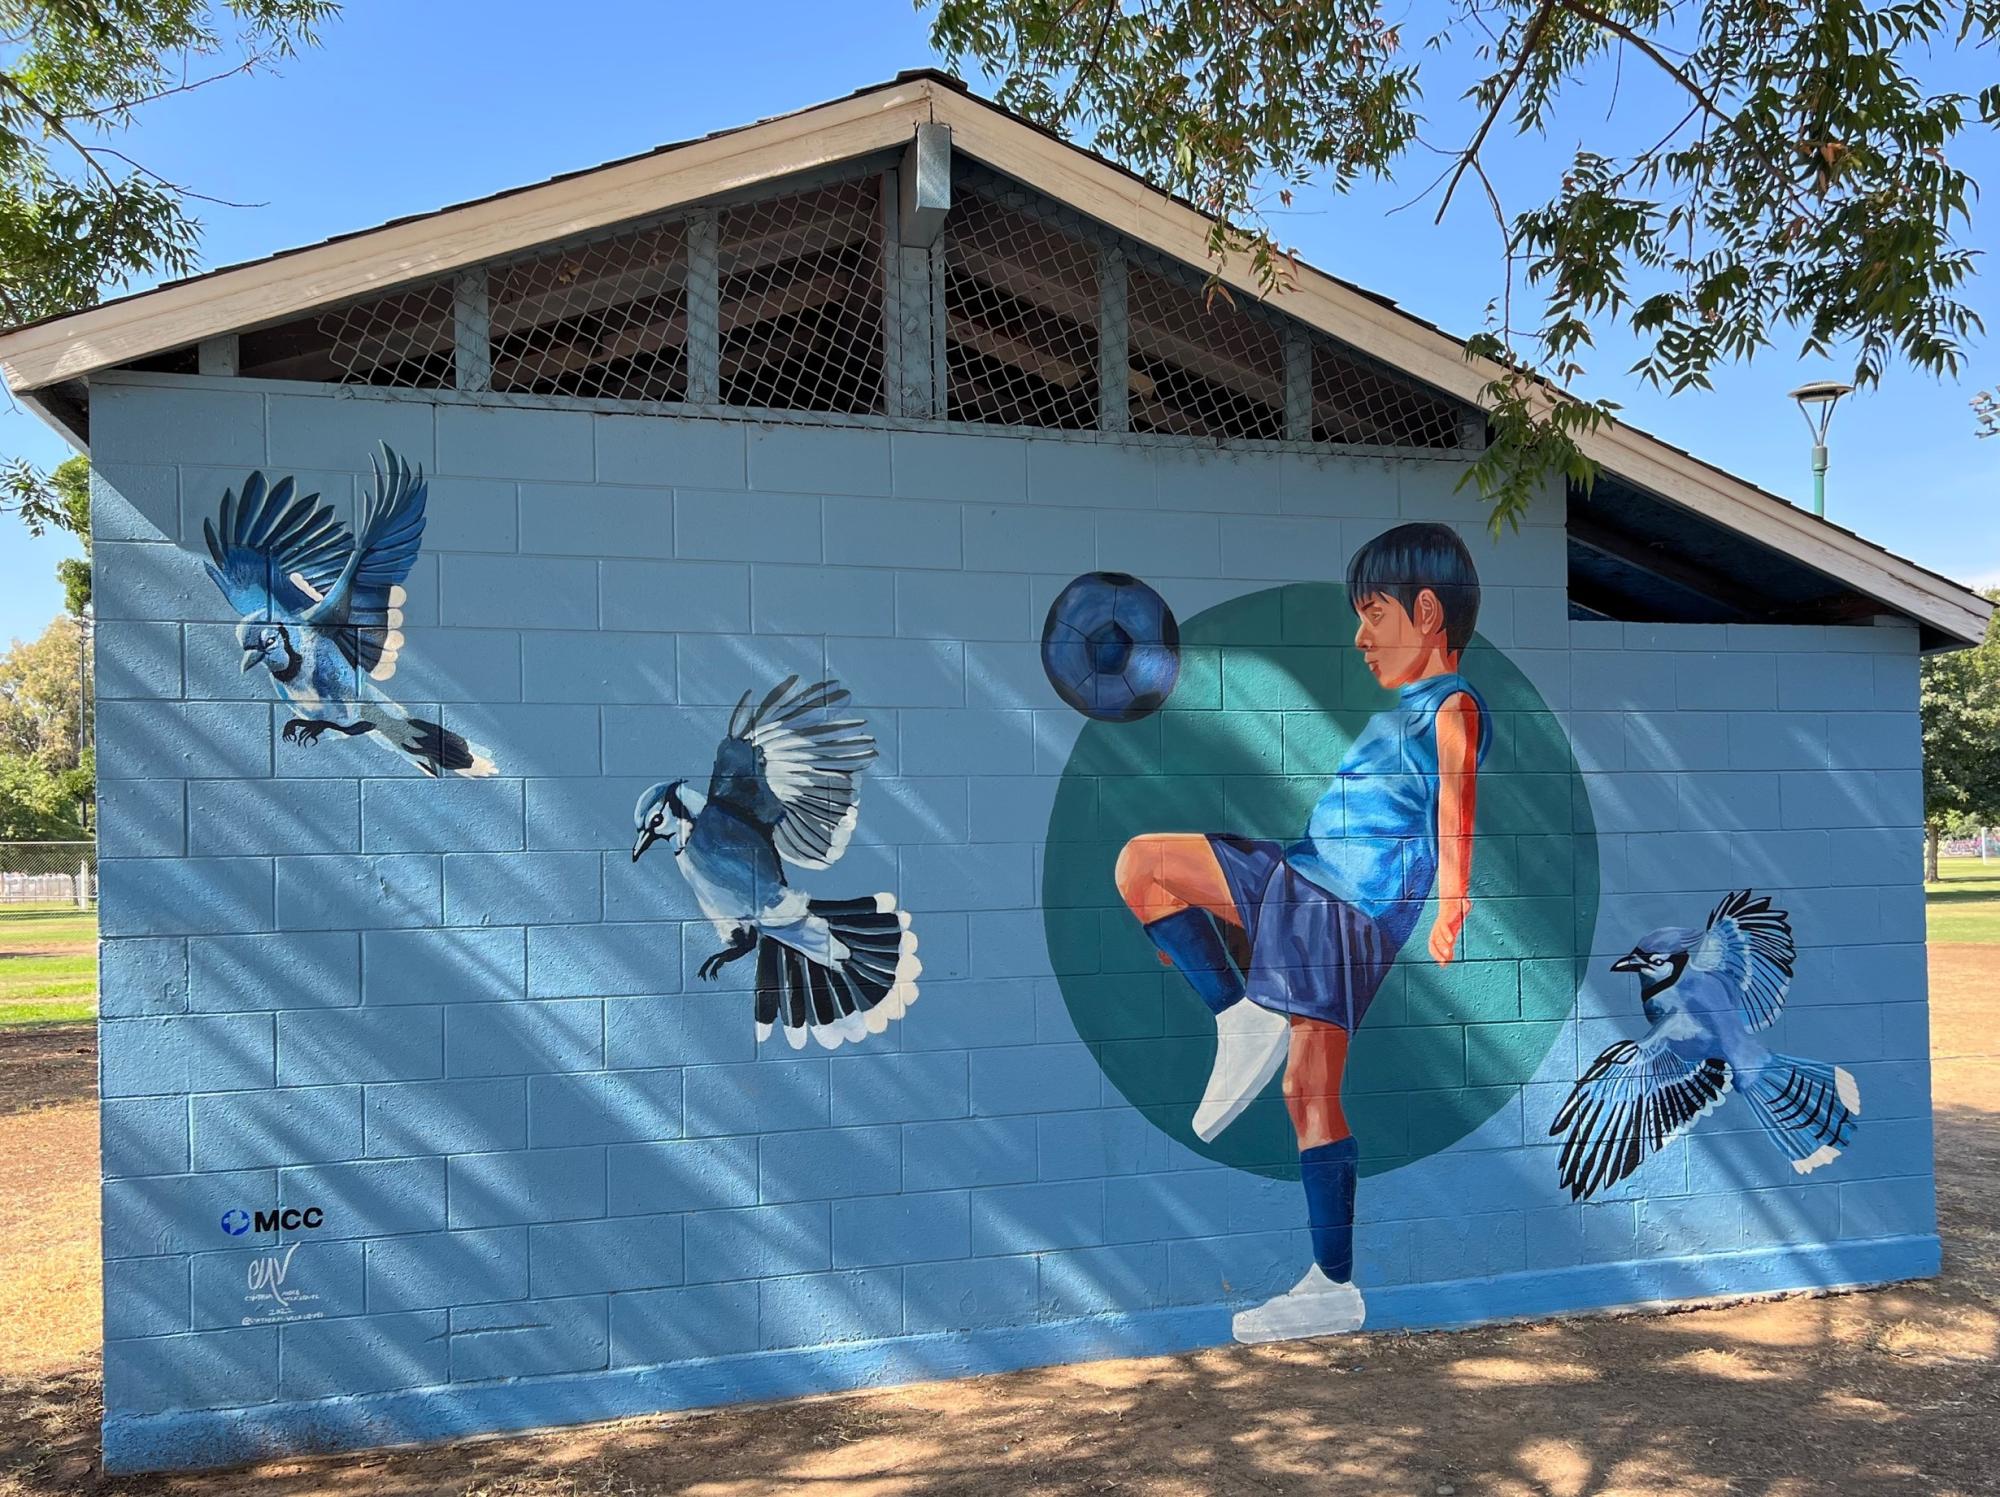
(1327, 1172)
(1190, 939)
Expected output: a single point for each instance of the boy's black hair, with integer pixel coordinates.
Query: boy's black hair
(1403, 562)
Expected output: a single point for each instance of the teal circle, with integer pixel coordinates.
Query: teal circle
(1271, 693)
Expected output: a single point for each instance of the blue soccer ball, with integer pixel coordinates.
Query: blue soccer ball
(1111, 647)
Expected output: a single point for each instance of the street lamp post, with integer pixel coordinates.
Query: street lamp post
(1816, 403)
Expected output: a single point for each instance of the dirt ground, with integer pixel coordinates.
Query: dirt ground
(1896, 1391)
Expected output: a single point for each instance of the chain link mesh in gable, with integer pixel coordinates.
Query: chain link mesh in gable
(605, 318)
(800, 301)
(404, 340)
(1359, 403)
(1021, 315)
(1201, 365)
(1047, 320)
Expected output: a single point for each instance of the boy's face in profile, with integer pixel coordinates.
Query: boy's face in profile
(1396, 647)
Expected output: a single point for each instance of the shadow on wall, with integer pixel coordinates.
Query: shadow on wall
(454, 1018)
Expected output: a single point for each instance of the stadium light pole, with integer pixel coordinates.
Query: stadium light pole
(1816, 403)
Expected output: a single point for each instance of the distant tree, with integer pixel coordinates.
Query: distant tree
(1960, 707)
(1802, 183)
(39, 804)
(78, 215)
(42, 696)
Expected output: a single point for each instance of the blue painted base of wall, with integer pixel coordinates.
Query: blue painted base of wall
(223, 1437)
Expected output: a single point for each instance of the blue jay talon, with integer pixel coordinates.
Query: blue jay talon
(308, 729)
(741, 944)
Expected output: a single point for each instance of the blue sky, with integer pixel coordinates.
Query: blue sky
(410, 107)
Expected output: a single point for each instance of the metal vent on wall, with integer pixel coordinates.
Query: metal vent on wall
(1022, 313)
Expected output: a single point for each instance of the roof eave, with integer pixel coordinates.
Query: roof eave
(412, 249)
(47, 353)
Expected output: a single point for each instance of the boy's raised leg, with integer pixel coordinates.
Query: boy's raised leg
(1175, 886)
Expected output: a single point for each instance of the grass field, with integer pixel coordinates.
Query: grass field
(48, 964)
(1964, 904)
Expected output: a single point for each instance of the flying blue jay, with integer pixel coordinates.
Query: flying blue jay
(1705, 992)
(322, 610)
(784, 791)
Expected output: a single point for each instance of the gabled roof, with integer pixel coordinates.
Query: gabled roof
(58, 350)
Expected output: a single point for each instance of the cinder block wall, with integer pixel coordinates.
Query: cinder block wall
(557, 1177)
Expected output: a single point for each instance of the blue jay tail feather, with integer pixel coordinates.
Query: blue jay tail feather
(861, 992)
(1808, 1108)
(436, 750)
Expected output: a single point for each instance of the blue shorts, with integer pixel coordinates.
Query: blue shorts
(1311, 953)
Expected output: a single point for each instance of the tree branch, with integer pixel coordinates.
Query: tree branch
(249, 65)
(1530, 38)
(56, 126)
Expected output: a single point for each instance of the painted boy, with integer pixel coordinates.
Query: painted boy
(1323, 918)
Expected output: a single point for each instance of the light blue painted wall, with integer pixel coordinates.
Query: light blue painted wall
(559, 1178)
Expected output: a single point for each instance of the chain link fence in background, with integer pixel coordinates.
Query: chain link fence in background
(48, 873)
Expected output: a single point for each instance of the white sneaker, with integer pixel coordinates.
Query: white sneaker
(1315, 1306)
(1249, 1048)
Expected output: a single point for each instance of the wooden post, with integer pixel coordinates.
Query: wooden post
(892, 301)
(704, 310)
(940, 327)
(1114, 343)
(471, 331)
(216, 356)
(1298, 385)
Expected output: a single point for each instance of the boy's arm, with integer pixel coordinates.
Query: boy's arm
(1458, 795)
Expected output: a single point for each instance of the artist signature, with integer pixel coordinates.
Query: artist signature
(265, 1280)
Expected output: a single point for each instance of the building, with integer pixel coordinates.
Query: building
(447, 1092)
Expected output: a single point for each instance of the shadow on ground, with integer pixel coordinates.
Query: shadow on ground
(1889, 1392)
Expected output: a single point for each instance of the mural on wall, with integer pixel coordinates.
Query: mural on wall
(321, 608)
(1111, 647)
(1289, 941)
(785, 789)
(1705, 992)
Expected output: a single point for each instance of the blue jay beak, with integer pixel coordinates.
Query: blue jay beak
(647, 837)
(1631, 962)
(252, 657)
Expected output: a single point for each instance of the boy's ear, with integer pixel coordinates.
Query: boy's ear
(1428, 614)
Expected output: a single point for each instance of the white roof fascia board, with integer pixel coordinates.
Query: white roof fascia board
(291, 284)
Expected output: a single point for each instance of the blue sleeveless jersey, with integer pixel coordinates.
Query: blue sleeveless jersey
(1372, 839)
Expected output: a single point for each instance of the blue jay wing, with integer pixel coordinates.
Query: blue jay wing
(1748, 947)
(809, 759)
(392, 526)
(363, 611)
(271, 549)
(1635, 1097)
